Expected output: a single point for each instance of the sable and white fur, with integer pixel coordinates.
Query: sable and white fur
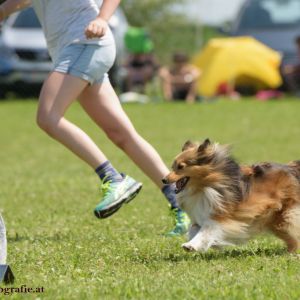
(228, 204)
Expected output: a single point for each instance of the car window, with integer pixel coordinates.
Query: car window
(26, 19)
(270, 13)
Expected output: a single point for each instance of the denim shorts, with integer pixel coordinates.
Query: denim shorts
(90, 62)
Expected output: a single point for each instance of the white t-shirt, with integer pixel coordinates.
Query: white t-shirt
(64, 22)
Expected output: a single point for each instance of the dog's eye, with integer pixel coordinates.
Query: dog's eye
(180, 166)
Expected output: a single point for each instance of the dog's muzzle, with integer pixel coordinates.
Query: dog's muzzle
(181, 183)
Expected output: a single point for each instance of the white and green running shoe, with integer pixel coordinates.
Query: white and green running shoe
(114, 194)
(182, 222)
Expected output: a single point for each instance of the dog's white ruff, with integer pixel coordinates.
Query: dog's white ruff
(204, 231)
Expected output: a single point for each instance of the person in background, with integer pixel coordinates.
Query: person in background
(141, 65)
(140, 69)
(291, 73)
(82, 49)
(179, 82)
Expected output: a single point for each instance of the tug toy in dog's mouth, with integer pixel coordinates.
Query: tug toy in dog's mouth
(181, 183)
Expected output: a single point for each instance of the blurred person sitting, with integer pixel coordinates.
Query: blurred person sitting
(291, 73)
(141, 65)
(179, 81)
(140, 69)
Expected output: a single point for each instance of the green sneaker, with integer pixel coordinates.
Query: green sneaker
(115, 194)
(182, 222)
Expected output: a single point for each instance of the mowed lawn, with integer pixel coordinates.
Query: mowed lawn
(47, 198)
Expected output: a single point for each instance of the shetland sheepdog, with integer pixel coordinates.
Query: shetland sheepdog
(228, 203)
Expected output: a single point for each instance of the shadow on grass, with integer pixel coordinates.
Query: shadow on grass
(37, 238)
(208, 256)
(231, 253)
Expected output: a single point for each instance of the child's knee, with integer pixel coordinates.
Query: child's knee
(47, 121)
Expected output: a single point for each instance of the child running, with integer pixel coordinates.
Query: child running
(82, 49)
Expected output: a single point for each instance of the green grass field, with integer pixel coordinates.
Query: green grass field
(47, 198)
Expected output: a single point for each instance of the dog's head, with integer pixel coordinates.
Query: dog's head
(201, 165)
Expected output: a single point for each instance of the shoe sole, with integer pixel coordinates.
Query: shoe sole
(126, 198)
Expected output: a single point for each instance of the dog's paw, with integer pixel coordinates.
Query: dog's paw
(188, 247)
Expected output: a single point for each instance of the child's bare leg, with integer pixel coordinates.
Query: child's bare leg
(103, 106)
(58, 93)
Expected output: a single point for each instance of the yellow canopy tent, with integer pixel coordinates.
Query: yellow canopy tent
(237, 61)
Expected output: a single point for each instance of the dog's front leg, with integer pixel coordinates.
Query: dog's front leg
(209, 234)
(194, 229)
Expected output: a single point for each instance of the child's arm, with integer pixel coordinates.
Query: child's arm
(11, 6)
(108, 8)
(97, 28)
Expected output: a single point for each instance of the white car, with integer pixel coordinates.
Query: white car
(24, 58)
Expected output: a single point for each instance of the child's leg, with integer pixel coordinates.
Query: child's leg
(103, 106)
(57, 94)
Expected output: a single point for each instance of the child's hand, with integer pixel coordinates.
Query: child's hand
(96, 29)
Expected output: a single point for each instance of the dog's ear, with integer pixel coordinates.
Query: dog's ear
(188, 144)
(204, 145)
(247, 171)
